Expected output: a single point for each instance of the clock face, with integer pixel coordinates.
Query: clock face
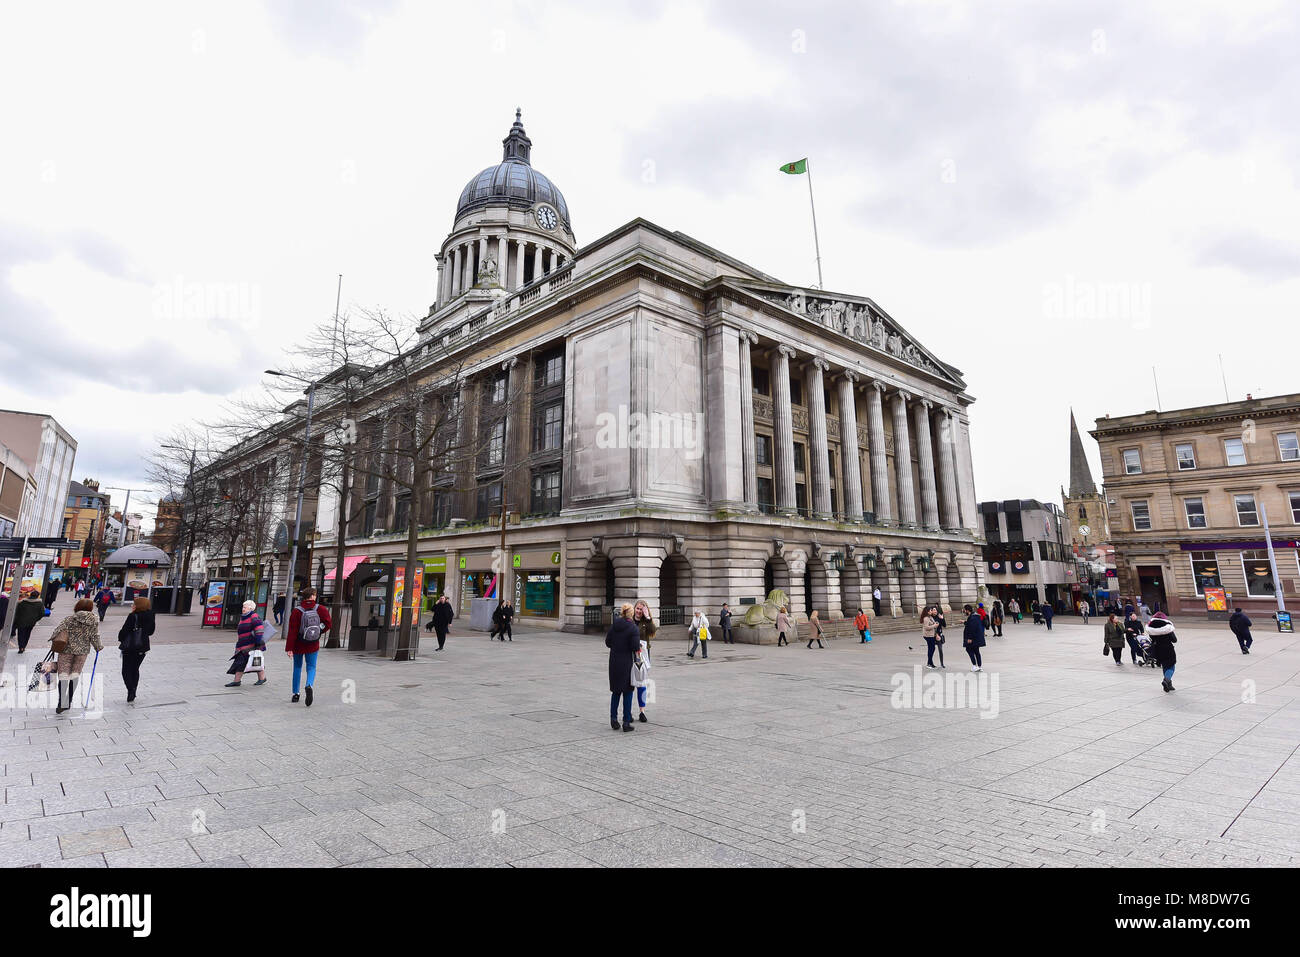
(1084, 530)
(546, 217)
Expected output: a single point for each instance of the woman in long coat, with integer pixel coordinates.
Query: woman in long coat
(1114, 632)
(82, 631)
(623, 642)
(973, 637)
(1161, 632)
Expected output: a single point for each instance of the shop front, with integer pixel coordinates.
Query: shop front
(435, 579)
(477, 580)
(537, 583)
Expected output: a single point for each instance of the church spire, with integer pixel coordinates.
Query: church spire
(517, 144)
(1081, 482)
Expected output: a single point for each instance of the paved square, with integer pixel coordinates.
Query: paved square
(494, 754)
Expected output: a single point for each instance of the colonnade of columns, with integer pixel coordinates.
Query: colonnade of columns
(459, 265)
(915, 420)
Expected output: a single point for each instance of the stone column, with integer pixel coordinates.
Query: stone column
(550, 260)
(457, 273)
(821, 466)
(950, 514)
(879, 464)
(747, 455)
(442, 278)
(467, 281)
(849, 455)
(783, 431)
(521, 254)
(503, 260)
(724, 462)
(925, 465)
(903, 462)
(537, 263)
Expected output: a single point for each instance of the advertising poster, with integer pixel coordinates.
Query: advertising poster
(417, 590)
(1284, 622)
(213, 603)
(33, 576)
(1216, 599)
(399, 589)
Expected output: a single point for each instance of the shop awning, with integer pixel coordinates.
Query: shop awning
(350, 564)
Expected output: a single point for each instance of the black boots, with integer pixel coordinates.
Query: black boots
(71, 688)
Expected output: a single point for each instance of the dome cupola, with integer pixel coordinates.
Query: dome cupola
(513, 182)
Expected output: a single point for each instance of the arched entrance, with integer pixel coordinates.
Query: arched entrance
(932, 586)
(674, 590)
(955, 597)
(817, 590)
(776, 574)
(908, 580)
(851, 597)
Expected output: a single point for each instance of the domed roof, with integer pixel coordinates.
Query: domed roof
(138, 552)
(512, 182)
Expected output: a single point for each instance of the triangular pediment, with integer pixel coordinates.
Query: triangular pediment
(861, 320)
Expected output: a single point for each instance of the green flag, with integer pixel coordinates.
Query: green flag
(798, 166)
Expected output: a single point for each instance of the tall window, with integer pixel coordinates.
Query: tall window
(1235, 451)
(1205, 571)
(1132, 462)
(1259, 577)
(546, 492)
(441, 509)
(1186, 455)
(401, 511)
(497, 390)
(1195, 509)
(798, 457)
(796, 391)
(801, 498)
(1288, 447)
(1294, 498)
(550, 370)
(496, 445)
(766, 501)
(548, 427)
(763, 449)
(1247, 513)
(1141, 517)
(762, 382)
(488, 500)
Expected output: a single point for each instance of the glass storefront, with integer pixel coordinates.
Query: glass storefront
(537, 594)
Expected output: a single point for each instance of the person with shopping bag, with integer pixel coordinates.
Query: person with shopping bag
(641, 674)
(699, 633)
(72, 640)
(863, 624)
(250, 647)
(133, 642)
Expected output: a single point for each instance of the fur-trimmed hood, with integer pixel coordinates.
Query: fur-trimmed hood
(1158, 627)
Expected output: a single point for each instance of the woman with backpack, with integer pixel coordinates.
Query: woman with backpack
(302, 640)
(133, 642)
(250, 639)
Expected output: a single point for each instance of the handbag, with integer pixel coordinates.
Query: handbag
(59, 643)
(133, 642)
(639, 672)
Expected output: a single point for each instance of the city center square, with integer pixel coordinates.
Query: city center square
(500, 754)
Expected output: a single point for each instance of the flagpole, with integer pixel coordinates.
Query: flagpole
(816, 242)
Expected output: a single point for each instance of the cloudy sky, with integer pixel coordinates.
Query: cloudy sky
(1053, 197)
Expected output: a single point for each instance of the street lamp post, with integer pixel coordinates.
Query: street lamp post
(302, 474)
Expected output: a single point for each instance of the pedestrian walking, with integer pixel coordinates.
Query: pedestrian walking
(863, 624)
(699, 635)
(80, 590)
(27, 614)
(1240, 626)
(51, 594)
(133, 642)
(506, 632)
(783, 627)
(875, 601)
(250, 647)
(996, 618)
(984, 615)
(307, 623)
(1161, 632)
(973, 637)
(724, 623)
(932, 632)
(1014, 608)
(815, 630)
(1132, 628)
(277, 610)
(1085, 610)
(1047, 614)
(76, 636)
(1037, 611)
(1113, 639)
(104, 598)
(624, 644)
(442, 616)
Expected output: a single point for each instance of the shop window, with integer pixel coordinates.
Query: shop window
(1259, 576)
(1205, 571)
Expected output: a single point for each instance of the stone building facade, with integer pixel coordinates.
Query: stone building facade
(681, 428)
(1187, 492)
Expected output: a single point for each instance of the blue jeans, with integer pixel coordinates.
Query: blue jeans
(627, 705)
(297, 669)
(1169, 673)
(640, 698)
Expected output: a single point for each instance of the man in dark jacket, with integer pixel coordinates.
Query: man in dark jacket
(504, 631)
(973, 637)
(1047, 614)
(442, 616)
(724, 622)
(278, 610)
(27, 613)
(624, 644)
(1240, 626)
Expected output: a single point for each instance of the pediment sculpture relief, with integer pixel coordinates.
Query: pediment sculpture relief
(858, 321)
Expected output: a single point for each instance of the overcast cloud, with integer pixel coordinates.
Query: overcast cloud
(182, 183)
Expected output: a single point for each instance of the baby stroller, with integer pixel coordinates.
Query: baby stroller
(1145, 643)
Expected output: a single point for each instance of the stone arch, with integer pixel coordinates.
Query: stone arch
(819, 597)
(933, 594)
(955, 597)
(909, 588)
(852, 596)
(599, 583)
(776, 574)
